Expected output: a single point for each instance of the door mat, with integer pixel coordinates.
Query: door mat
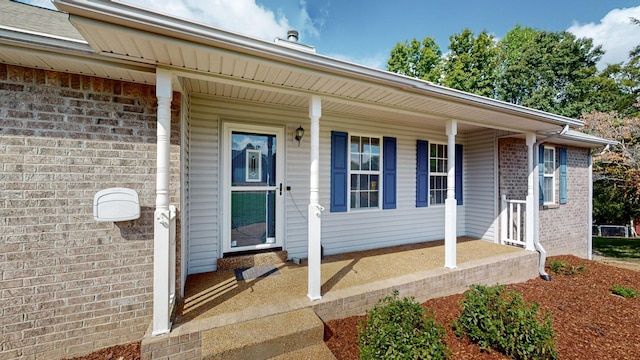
(256, 272)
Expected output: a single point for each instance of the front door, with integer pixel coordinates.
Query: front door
(253, 182)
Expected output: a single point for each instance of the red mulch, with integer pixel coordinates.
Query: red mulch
(589, 321)
(119, 352)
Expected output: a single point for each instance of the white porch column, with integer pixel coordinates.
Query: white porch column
(450, 218)
(315, 209)
(161, 324)
(531, 199)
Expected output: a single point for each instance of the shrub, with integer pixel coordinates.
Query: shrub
(625, 292)
(501, 320)
(401, 329)
(563, 268)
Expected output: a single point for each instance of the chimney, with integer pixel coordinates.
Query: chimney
(292, 35)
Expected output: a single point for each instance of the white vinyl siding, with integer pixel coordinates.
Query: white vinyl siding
(185, 138)
(207, 115)
(480, 196)
(203, 242)
(360, 230)
(341, 232)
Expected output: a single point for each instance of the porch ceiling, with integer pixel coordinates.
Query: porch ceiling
(219, 63)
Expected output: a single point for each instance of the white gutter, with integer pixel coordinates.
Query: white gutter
(42, 44)
(137, 18)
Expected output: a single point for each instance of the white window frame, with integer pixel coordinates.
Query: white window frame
(549, 175)
(365, 172)
(437, 173)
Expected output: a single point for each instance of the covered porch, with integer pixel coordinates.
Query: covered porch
(231, 82)
(351, 284)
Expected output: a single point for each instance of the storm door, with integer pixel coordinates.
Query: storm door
(253, 179)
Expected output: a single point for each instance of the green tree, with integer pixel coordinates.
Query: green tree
(471, 63)
(550, 71)
(416, 59)
(515, 82)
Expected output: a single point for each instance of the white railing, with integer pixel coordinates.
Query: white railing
(513, 222)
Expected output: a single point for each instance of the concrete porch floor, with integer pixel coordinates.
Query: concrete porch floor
(220, 298)
(351, 284)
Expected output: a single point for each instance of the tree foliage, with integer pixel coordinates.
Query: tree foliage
(471, 63)
(554, 72)
(616, 171)
(550, 71)
(416, 59)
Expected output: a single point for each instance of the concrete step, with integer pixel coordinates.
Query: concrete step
(314, 352)
(247, 261)
(264, 338)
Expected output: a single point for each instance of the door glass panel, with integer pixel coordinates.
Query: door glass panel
(253, 211)
(253, 218)
(253, 159)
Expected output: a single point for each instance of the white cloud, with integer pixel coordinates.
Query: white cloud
(614, 32)
(240, 16)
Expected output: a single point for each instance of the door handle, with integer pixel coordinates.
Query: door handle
(280, 188)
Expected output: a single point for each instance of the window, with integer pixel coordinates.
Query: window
(437, 174)
(431, 173)
(364, 172)
(549, 176)
(359, 177)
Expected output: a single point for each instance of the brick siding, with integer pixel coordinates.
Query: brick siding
(69, 284)
(563, 228)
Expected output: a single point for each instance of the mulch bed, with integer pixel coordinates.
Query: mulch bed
(119, 352)
(589, 321)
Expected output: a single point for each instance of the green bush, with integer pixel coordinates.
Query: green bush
(501, 320)
(563, 268)
(625, 292)
(401, 329)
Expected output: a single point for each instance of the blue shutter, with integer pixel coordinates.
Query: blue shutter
(459, 185)
(422, 173)
(339, 170)
(389, 160)
(563, 175)
(541, 173)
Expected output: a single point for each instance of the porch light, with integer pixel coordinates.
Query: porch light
(299, 134)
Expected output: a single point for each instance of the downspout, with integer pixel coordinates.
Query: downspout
(536, 238)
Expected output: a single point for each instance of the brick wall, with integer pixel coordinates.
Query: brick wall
(563, 228)
(68, 284)
(513, 168)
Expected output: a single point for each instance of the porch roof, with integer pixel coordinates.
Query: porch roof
(123, 42)
(222, 63)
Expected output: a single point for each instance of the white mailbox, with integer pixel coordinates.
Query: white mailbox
(116, 204)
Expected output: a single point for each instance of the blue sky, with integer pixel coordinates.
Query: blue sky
(364, 31)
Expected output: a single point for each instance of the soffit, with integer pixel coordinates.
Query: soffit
(45, 39)
(214, 62)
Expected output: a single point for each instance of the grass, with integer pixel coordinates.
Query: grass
(621, 248)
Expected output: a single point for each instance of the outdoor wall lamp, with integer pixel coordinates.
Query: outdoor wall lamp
(299, 134)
